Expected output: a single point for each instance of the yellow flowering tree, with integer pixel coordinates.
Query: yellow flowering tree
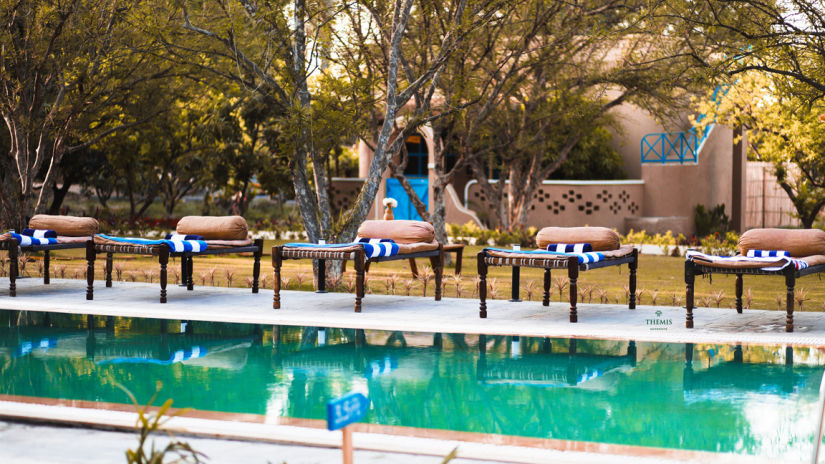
(783, 128)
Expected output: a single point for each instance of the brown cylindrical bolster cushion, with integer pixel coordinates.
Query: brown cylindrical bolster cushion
(797, 242)
(214, 227)
(600, 238)
(70, 226)
(402, 231)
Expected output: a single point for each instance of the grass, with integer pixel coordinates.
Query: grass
(660, 279)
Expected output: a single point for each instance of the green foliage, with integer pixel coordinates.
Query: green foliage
(712, 221)
(483, 236)
(150, 423)
(593, 158)
(720, 244)
(643, 238)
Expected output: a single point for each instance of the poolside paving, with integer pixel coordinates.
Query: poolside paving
(419, 314)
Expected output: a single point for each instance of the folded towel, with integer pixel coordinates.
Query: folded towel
(785, 261)
(570, 247)
(25, 240)
(174, 245)
(372, 248)
(40, 233)
(180, 237)
(768, 254)
(584, 258)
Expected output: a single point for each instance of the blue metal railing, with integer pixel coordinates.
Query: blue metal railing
(677, 147)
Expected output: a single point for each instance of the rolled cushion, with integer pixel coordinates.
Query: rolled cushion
(600, 238)
(797, 242)
(214, 227)
(69, 226)
(401, 230)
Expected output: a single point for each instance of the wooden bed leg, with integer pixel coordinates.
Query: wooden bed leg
(689, 280)
(632, 266)
(184, 265)
(739, 293)
(515, 283)
(46, 262)
(276, 277)
(322, 276)
(482, 285)
(108, 270)
(163, 258)
(437, 263)
(13, 263)
(790, 281)
(90, 269)
(359, 279)
(545, 298)
(413, 268)
(190, 271)
(458, 257)
(256, 267)
(573, 276)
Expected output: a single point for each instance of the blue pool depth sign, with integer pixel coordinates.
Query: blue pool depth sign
(346, 410)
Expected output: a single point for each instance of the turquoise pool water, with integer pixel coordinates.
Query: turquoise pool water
(757, 400)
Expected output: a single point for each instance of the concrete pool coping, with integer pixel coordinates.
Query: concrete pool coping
(437, 443)
(418, 314)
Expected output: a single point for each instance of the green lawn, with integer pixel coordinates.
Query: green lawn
(660, 279)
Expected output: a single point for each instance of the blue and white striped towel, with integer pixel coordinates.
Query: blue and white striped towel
(373, 247)
(180, 237)
(40, 233)
(25, 240)
(785, 260)
(584, 258)
(570, 247)
(768, 254)
(177, 246)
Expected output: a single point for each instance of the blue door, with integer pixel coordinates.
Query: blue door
(406, 209)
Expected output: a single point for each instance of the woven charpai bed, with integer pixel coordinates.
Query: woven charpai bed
(606, 251)
(410, 239)
(221, 234)
(72, 233)
(806, 255)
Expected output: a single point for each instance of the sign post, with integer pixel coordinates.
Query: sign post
(344, 411)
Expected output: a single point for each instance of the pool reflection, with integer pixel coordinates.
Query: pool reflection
(753, 400)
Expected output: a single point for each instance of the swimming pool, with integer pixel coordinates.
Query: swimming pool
(754, 400)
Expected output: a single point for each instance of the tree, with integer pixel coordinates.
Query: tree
(263, 50)
(784, 129)
(65, 70)
(581, 60)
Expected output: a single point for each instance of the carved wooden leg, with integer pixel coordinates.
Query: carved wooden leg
(739, 293)
(90, 269)
(437, 263)
(13, 263)
(256, 267)
(163, 258)
(359, 279)
(633, 265)
(108, 270)
(276, 276)
(573, 275)
(459, 254)
(689, 280)
(545, 298)
(190, 271)
(482, 286)
(322, 276)
(46, 262)
(790, 281)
